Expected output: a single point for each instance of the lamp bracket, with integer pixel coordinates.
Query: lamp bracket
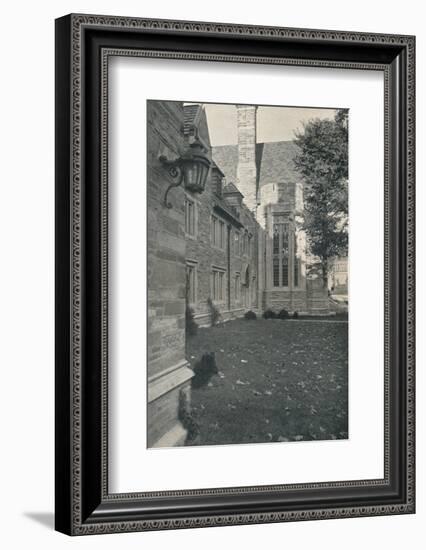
(175, 172)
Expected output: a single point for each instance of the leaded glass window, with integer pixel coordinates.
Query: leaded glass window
(280, 254)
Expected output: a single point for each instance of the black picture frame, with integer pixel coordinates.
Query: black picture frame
(83, 505)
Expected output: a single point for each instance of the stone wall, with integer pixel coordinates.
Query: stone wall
(247, 170)
(201, 253)
(177, 248)
(318, 301)
(233, 260)
(284, 202)
(291, 300)
(167, 368)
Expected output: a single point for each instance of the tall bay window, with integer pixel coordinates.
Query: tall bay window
(296, 263)
(280, 254)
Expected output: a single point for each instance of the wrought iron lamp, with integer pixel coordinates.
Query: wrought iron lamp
(191, 169)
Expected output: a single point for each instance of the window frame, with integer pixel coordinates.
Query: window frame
(192, 265)
(189, 201)
(218, 284)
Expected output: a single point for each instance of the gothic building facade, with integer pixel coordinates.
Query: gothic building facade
(245, 246)
(238, 245)
(222, 238)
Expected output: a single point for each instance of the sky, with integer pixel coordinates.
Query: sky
(273, 123)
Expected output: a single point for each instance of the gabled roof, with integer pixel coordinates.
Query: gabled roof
(195, 123)
(216, 167)
(274, 162)
(190, 113)
(226, 156)
(231, 188)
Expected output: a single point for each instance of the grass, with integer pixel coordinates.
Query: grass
(277, 381)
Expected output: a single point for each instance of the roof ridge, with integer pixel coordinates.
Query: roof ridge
(231, 188)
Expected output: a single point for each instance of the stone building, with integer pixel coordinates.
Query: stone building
(273, 191)
(168, 371)
(221, 239)
(237, 245)
(338, 276)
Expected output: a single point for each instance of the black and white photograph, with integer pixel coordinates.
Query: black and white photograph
(248, 272)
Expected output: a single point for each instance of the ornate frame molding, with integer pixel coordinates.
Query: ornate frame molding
(72, 44)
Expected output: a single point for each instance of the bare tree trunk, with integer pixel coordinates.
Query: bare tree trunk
(324, 265)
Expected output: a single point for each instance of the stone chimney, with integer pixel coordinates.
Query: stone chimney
(246, 173)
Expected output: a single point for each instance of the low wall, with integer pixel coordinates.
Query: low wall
(312, 301)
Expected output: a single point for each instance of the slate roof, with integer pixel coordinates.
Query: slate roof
(274, 162)
(190, 113)
(226, 157)
(231, 188)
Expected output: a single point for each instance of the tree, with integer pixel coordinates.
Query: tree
(322, 160)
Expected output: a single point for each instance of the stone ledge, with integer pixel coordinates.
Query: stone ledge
(176, 436)
(169, 380)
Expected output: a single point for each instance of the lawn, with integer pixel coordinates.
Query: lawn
(277, 381)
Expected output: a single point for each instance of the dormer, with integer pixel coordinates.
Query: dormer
(233, 197)
(217, 180)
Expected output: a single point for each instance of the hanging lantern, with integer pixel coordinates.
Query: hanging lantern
(191, 169)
